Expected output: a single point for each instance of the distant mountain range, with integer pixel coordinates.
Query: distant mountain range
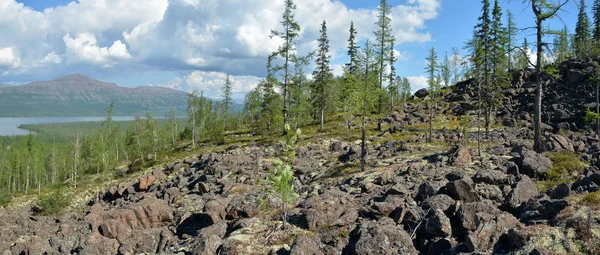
(78, 95)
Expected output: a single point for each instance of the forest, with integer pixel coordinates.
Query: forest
(64, 154)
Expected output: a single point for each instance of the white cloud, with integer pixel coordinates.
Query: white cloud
(231, 36)
(211, 83)
(417, 82)
(8, 58)
(85, 48)
(173, 84)
(51, 58)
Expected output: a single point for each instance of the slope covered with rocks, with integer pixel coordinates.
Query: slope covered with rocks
(414, 198)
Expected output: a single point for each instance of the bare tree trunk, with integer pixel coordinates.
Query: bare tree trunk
(479, 113)
(285, 81)
(537, 143)
(322, 118)
(597, 106)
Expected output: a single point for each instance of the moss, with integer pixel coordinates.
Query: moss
(566, 165)
(592, 198)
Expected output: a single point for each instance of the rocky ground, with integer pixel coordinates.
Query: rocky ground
(414, 198)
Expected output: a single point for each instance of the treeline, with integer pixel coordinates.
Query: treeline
(33, 162)
(369, 84)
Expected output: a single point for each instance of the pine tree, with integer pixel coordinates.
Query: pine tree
(561, 45)
(352, 50)
(384, 38)
(431, 70)
(227, 101)
(522, 59)
(322, 75)
(511, 33)
(368, 61)
(445, 71)
(582, 38)
(291, 31)
(596, 28)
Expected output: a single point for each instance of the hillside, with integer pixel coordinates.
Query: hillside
(77, 95)
(414, 197)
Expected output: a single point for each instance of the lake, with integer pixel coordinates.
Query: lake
(10, 126)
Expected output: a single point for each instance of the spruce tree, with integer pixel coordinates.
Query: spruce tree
(227, 101)
(522, 59)
(384, 38)
(596, 28)
(561, 45)
(392, 86)
(290, 32)
(322, 75)
(352, 50)
(582, 40)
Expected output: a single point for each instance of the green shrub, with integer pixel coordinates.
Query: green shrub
(565, 165)
(590, 116)
(5, 198)
(552, 70)
(54, 202)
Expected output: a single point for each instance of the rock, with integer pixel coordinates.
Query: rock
(542, 208)
(441, 246)
(304, 245)
(489, 191)
(558, 143)
(491, 177)
(462, 190)
(461, 156)
(120, 224)
(333, 208)
(560, 191)
(489, 231)
(438, 225)
(522, 191)
(422, 93)
(426, 190)
(145, 181)
(206, 245)
(383, 237)
(533, 164)
(142, 242)
(440, 201)
(470, 214)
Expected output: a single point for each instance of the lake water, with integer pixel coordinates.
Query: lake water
(10, 126)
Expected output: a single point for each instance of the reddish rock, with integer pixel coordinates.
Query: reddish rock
(146, 181)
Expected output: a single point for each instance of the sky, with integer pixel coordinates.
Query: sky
(193, 44)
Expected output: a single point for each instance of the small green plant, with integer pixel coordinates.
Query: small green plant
(5, 198)
(552, 70)
(54, 202)
(281, 178)
(590, 116)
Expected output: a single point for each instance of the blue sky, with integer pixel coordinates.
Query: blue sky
(191, 44)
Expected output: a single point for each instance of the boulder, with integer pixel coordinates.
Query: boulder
(438, 225)
(462, 190)
(304, 245)
(333, 208)
(533, 164)
(461, 156)
(440, 201)
(383, 237)
(522, 191)
(422, 93)
(491, 177)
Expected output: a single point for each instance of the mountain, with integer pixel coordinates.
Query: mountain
(78, 95)
(4, 85)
